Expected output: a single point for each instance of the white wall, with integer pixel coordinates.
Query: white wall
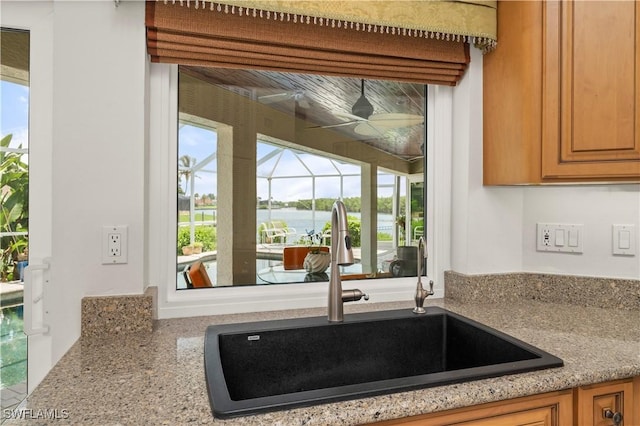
(96, 95)
(493, 228)
(598, 208)
(98, 155)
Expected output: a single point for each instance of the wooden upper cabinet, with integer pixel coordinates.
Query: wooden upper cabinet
(512, 97)
(562, 93)
(591, 108)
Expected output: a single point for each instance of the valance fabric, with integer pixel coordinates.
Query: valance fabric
(472, 21)
(232, 36)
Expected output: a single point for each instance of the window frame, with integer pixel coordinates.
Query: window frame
(161, 215)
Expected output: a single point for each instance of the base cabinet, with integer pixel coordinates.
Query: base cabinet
(551, 409)
(614, 403)
(609, 404)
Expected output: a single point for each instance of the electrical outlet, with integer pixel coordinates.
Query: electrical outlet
(556, 237)
(114, 244)
(115, 247)
(545, 235)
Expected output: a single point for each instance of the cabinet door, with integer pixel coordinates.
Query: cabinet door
(512, 97)
(554, 409)
(591, 93)
(594, 401)
(545, 416)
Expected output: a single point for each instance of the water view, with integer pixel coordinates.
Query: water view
(303, 220)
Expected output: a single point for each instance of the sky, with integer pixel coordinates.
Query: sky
(14, 113)
(200, 143)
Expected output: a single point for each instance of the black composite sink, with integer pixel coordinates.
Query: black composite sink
(264, 366)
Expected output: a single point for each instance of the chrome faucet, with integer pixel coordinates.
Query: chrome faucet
(341, 254)
(421, 293)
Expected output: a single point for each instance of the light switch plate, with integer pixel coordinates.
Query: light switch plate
(559, 237)
(624, 240)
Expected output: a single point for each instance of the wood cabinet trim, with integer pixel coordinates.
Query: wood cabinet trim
(568, 407)
(560, 406)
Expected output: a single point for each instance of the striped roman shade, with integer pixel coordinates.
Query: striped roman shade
(298, 37)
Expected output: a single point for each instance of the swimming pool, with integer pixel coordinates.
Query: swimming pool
(13, 347)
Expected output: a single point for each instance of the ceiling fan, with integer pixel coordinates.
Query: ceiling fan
(296, 95)
(370, 124)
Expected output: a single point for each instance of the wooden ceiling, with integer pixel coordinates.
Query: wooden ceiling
(323, 101)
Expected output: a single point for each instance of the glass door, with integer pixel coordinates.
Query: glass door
(14, 213)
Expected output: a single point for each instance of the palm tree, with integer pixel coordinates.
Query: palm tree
(185, 165)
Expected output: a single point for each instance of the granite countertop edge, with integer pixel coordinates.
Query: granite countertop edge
(596, 345)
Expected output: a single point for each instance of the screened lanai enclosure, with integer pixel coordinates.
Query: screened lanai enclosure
(258, 175)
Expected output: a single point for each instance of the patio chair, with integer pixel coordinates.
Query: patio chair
(286, 230)
(326, 237)
(271, 233)
(293, 257)
(196, 276)
(418, 232)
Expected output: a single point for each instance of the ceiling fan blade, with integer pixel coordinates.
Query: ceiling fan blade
(297, 96)
(348, 117)
(276, 97)
(331, 126)
(395, 120)
(303, 103)
(368, 129)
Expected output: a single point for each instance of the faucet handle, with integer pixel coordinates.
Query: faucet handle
(430, 287)
(353, 295)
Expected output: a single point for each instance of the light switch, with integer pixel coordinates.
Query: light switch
(573, 237)
(624, 240)
(559, 240)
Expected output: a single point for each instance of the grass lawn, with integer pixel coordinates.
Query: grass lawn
(199, 216)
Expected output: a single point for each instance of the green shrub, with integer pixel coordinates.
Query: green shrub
(204, 234)
(384, 236)
(14, 207)
(354, 230)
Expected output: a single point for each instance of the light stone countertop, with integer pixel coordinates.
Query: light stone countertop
(158, 378)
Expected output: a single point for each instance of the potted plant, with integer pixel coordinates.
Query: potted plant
(197, 247)
(318, 259)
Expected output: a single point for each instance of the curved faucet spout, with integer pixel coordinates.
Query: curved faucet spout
(341, 254)
(421, 293)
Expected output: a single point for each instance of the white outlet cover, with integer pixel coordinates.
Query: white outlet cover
(107, 231)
